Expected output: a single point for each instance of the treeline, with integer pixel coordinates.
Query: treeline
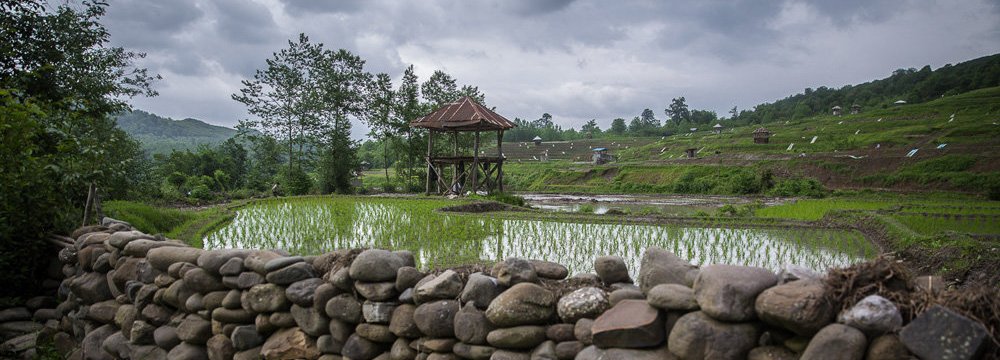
(910, 85)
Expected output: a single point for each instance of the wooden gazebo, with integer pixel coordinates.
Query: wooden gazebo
(464, 115)
(761, 136)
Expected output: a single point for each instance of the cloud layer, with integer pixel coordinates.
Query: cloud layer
(577, 60)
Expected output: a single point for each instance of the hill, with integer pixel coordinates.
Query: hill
(160, 135)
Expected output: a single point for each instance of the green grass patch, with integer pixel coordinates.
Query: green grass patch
(815, 209)
(189, 226)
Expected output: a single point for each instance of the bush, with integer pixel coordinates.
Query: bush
(201, 192)
(585, 209)
(798, 187)
(294, 181)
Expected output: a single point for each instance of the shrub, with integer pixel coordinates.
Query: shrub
(798, 187)
(294, 181)
(586, 209)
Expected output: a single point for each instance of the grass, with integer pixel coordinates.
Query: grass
(815, 209)
(187, 225)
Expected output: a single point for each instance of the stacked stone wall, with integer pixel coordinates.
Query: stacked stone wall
(130, 295)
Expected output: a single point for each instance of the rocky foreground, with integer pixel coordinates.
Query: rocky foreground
(129, 295)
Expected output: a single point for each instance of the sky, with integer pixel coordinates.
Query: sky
(574, 59)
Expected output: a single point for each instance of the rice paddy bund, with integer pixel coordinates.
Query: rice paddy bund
(314, 225)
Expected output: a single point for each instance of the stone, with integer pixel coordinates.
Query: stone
(341, 330)
(265, 298)
(800, 306)
(91, 287)
(250, 354)
(480, 290)
(401, 323)
(91, 344)
(471, 325)
(407, 277)
(219, 347)
(290, 343)
(377, 312)
(930, 283)
(379, 291)
(291, 273)
(342, 279)
(517, 337)
(324, 292)
(282, 319)
(232, 300)
(360, 348)
(474, 352)
(194, 330)
(437, 319)
(560, 332)
(15, 314)
(200, 280)
(103, 312)
(728, 292)
(587, 302)
(501, 354)
(545, 351)
(594, 353)
(406, 296)
(148, 352)
(311, 321)
(513, 271)
(248, 280)
(442, 345)
(376, 265)
(626, 293)
(550, 270)
(672, 297)
(246, 337)
(771, 353)
(231, 267)
(887, 347)
(256, 262)
(874, 315)
(142, 333)
(612, 269)
(445, 286)
(302, 292)
(186, 351)
(522, 304)
(837, 341)
(942, 333)
(698, 336)
(630, 324)
(232, 316)
(177, 293)
(121, 238)
(582, 331)
(792, 272)
(125, 317)
(213, 260)
(139, 247)
(401, 350)
(344, 307)
(659, 266)
(282, 262)
(117, 345)
(375, 332)
(568, 349)
(166, 337)
(328, 345)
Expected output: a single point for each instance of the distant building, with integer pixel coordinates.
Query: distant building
(855, 109)
(601, 156)
(537, 140)
(836, 110)
(717, 128)
(691, 152)
(761, 136)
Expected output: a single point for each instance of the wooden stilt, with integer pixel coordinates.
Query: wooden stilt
(475, 164)
(87, 205)
(500, 160)
(430, 165)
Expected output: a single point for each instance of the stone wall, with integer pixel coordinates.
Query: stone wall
(132, 295)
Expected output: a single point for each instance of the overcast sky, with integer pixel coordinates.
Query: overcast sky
(577, 60)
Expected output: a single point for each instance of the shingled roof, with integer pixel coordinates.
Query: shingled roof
(463, 115)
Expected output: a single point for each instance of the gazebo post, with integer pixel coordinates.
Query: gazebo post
(455, 176)
(500, 160)
(430, 162)
(475, 164)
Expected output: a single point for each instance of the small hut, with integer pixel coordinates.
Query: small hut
(691, 152)
(537, 140)
(717, 128)
(761, 136)
(855, 109)
(837, 110)
(601, 156)
(464, 115)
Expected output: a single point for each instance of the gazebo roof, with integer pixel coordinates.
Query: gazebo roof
(463, 115)
(761, 131)
(718, 126)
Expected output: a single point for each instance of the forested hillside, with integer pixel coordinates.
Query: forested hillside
(160, 135)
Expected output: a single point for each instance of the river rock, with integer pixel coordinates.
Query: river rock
(200, 280)
(800, 306)
(213, 260)
(91, 287)
(341, 279)
(375, 332)
(447, 285)
(612, 269)
(232, 316)
(887, 346)
(471, 325)
(139, 247)
(345, 308)
(15, 314)
(360, 348)
(942, 333)
(232, 267)
(672, 297)
(301, 292)
(324, 292)
(437, 319)
(401, 323)
(660, 266)
(728, 292)
(194, 330)
(771, 353)
(587, 302)
(625, 293)
(378, 291)
(513, 271)
(290, 274)
(480, 290)
(117, 345)
(836, 341)
(281, 262)
(550, 270)
(290, 343)
(377, 312)
(265, 298)
(522, 304)
(698, 336)
(257, 261)
(630, 324)
(219, 347)
(376, 265)
(407, 277)
(187, 351)
(467, 351)
(874, 315)
(246, 337)
(311, 321)
(122, 238)
(248, 279)
(517, 338)
(582, 331)
(103, 312)
(166, 337)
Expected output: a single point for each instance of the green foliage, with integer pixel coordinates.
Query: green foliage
(146, 218)
(294, 181)
(798, 187)
(507, 198)
(338, 165)
(585, 209)
(160, 135)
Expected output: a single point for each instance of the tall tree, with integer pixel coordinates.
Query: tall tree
(678, 111)
(590, 128)
(379, 115)
(408, 108)
(618, 126)
(440, 89)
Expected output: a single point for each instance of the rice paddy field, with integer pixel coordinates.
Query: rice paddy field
(312, 225)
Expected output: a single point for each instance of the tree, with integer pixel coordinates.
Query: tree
(440, 89)
(678, 111)
(618, 126)
(544, 122)
(408, 108)
(733, 113)
(649, 119)
(703, 116)
(379, 115)
(590, 128)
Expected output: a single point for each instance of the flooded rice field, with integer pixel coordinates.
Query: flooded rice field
(639, 204)
(315, 225)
